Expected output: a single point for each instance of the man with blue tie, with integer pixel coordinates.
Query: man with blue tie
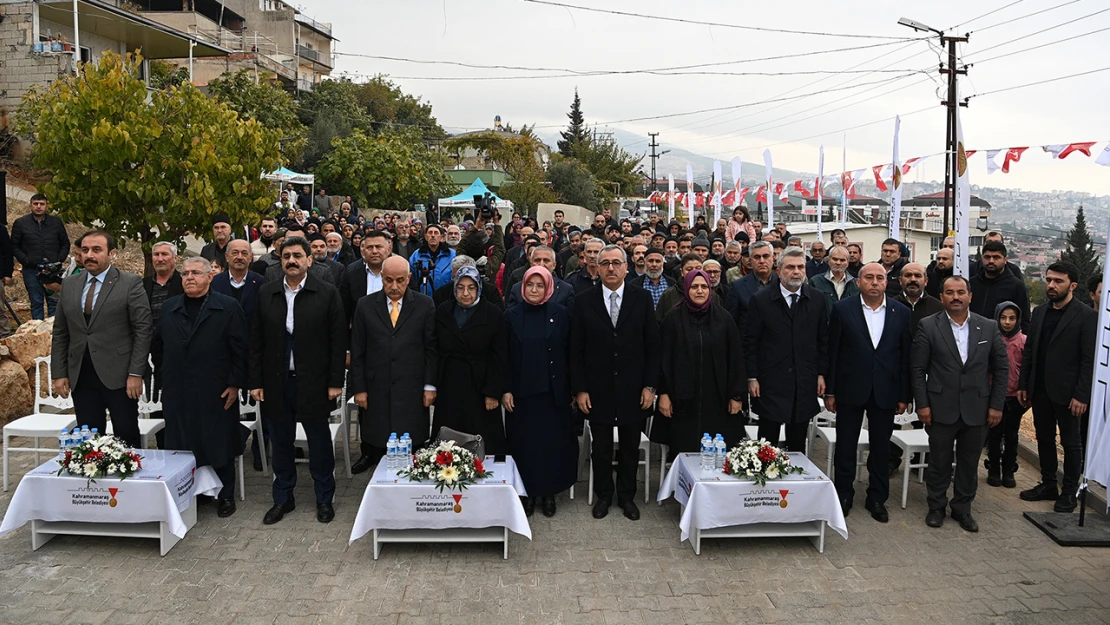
(869, 361)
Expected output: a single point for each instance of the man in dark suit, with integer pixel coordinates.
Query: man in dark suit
(958, 371)
(163, 284)
(786, 342)
(393, 363)
(613, 329)
(102, 335)
(762, 276)
(869, 362)
(297, 348)
(1055, 379)
(320, 258)
(364, 276)
(994, 284)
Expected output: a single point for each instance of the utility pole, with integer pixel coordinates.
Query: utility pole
(951, 166)
(654, 144)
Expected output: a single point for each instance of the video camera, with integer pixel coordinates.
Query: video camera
(485, 206)
(50, 273)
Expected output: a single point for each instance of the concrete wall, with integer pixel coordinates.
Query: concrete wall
(871, 238)
(19, 67)
(574, 215)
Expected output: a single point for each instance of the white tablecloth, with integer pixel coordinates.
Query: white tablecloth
(160, 491)
(394, 503)
(720, 500)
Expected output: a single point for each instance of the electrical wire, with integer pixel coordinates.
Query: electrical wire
(653, 73)
(712, 24)
(1043, 45)
(1039, 82)
(988, 13)
(1011, 21)
(1044, 30)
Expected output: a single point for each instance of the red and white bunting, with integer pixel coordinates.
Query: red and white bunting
(1104, 158)
(992, 165)
(1061, 151)
(1013, 155)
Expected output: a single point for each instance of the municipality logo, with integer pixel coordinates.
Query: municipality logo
(113, 502)
(783, 494)
(458, 503)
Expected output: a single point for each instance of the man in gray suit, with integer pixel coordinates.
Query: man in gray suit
(102, 335)
(958, 370)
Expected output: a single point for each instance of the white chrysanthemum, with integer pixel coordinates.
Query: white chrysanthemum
(449, 474)
(772, 472)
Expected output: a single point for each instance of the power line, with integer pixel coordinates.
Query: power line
(988, 13)
(1043, 45)
(712, 24)
(1010, 21)
(1044, 30)
(654, 73)
(632, 71)
(1040, 82)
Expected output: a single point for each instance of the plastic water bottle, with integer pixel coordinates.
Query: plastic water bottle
(391, 452)
(707, 461)
(63, 442)
(719, 453)
(404, 455)
(95, 433)
(75, 437)
(85, 433)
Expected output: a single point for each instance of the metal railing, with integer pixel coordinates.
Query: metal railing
(310, 54)
(322, 27)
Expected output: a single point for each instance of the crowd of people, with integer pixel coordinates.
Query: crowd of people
(528, 336)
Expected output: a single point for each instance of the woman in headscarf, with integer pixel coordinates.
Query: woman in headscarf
(471, 361)
(541, 433)
(703, 379)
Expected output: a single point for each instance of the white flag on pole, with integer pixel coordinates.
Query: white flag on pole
(1104, 157)
(770, 193)
(690, 199)
(819, 190)
(963, 203)
(844, 184)
(737, 168)
(670, 198)
(896, 188)
(1097, 464)
(716, 192)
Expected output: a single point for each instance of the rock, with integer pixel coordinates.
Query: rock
(32, 340)
(16, 395)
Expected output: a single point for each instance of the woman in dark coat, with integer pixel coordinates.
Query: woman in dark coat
(471, 358)
(703, 372)
(541, 434)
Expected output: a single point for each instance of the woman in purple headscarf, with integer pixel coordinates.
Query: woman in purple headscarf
(702, 386)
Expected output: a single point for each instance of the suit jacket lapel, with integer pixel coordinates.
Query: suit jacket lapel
(407, 302)
(1069, 314)
(974, 332)
(944, 326)
(623, 313)
(857, 314)
(109, 277)
(888, 321)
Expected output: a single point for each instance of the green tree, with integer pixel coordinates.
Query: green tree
(266, 102)
(165, 74)
(521, 156)
(143, 171)
(1036, 290)
(387, 105)
(1079, 250)
(573, 183)
(576, 131)
(332, 109)
(616, 171)
(389, 170)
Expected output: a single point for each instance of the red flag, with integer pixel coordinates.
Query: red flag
(801, 189)
(1013, 155)
(968, 153)
(780, 190)
(699, 199)
(1062, 151)
(761, 194)
(743, 192)
(878, 170)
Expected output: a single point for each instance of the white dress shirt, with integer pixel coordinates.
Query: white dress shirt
(786, 293)
(290, 297)
(960, 333)
(96, 292)
(876, 321)
(373, 280)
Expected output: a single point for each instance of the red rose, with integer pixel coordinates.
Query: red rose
(478, 465)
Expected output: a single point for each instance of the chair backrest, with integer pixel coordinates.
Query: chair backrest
(340, 410)
(247, 407)
(904, 418)
(44, 389)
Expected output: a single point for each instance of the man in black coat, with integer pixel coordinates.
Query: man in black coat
(869, 371)
(296, 372)
(205, 337)
(320, 258)
(1055, 380)
(221, 234)
(613, 329)
(163, 284)
(741, 291)
(939, 270)
(394, 365)
(786, 341)
(892, 262)
(364, 276)
(994, 285)
(238, 282)
(39, 239)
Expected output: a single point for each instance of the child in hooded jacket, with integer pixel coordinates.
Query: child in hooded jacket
(1002, 439)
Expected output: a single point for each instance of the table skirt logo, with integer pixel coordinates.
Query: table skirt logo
(438, 503)
(94, 496)
(112, 503)
(458, 503)
(765, 498)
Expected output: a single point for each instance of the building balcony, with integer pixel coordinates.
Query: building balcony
(318, 57)
(323, 28)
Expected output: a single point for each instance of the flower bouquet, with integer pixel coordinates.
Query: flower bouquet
(448, 465)
(760, 461)
(103, 456)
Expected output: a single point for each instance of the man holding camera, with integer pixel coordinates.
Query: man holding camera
(40, 244)
(477, 243)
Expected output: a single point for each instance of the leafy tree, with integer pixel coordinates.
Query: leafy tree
(145, 172)
(266, 102)
(165, 74)
(330, 110)
(576, 131)
(389, 170)
(385, 103)
(1036, 291)
(520, 155)
(573, 183)
(615, 170)
(1080, 251)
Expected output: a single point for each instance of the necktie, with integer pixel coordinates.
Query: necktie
(793, 300)
(614, 311)
(394, 312)
(90, 297)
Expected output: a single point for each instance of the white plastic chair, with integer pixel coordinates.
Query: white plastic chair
(828, 434)
(149, 403)
(645, 461)
(339, 431)
(39, 425)
(251, 409)
(911, 442)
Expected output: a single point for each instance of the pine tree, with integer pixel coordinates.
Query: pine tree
(1080, 251)
(576, 130)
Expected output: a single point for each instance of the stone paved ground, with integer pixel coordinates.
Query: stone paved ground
(576, 570)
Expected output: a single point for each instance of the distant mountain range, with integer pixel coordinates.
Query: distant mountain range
(676, 159)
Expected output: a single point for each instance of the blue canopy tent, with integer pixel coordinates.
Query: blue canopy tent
(466, 198)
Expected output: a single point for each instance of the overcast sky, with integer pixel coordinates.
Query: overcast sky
(519, 33)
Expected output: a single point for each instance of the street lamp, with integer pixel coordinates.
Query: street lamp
(918, 26)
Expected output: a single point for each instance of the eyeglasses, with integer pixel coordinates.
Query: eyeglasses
(193, 272)
(610, 263)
